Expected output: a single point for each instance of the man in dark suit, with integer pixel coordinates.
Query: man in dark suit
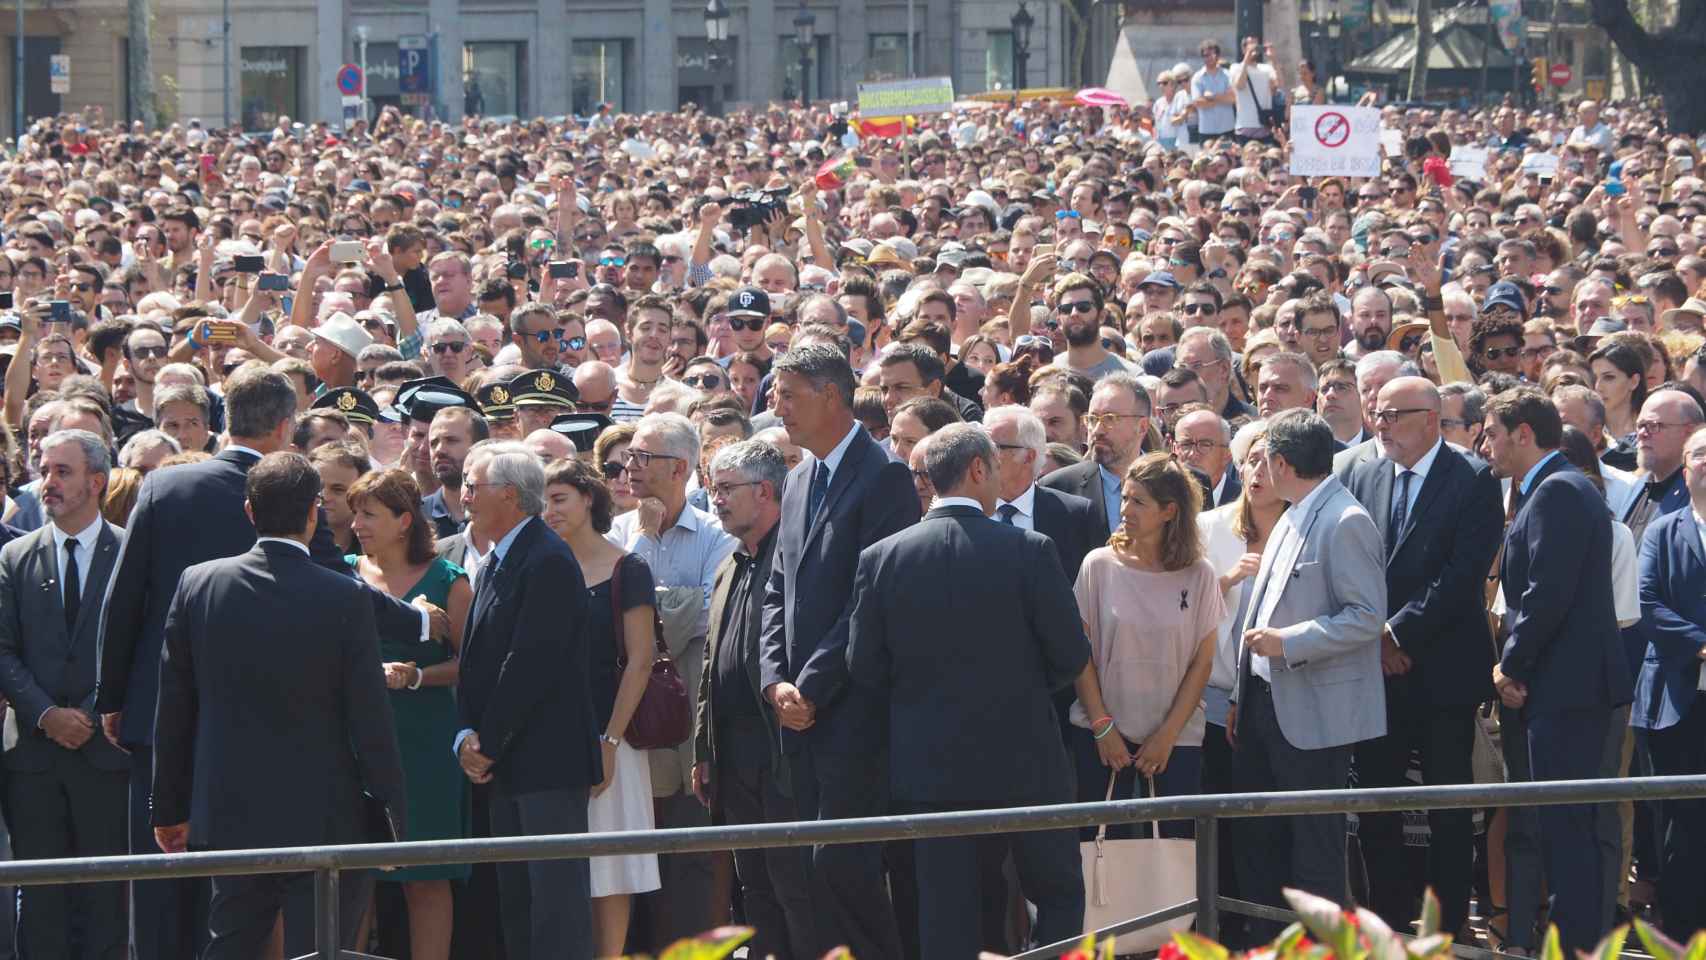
(1667, 691)
(737, 764)
(65, 784)
(846, 496)
(1118, 422)
(1439, 514)
(1202, 441)
(1068, 520)
(965, 627)
(184, 516)
(1563, 666)
(526, 712)
(280, 757)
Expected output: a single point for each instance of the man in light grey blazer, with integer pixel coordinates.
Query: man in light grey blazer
(1309, 684)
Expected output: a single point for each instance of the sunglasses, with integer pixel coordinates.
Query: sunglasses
(1109, 343)
(613, 469)
(1076, 306)
(545, 336)
(1067, 215)
(704, 381)
(1497, 353)
(449, 346)
(612, 261)
(573, 343)
(149, 353)
(748, 323)
(1192, 309)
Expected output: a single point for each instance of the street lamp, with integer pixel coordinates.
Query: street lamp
(805, 28)
(716, 31)
(1022, 22)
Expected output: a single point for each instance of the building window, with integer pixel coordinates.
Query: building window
(998, 61)
(492, 79)
(818, 71)
(271, 85)
(886, 58)
(598, 74)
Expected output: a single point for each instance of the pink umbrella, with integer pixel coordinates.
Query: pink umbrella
(1099, 97)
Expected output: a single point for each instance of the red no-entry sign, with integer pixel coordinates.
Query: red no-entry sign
(1560, 74)
(1332, 129)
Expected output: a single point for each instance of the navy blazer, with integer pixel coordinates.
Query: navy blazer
(809, 596)
(1069, 521)
(1673, 609)
(1556, 576)
(1083, 480)
(1436, 572)
(273, 717)
(186, 515)
(1234, 487)
(965, 626)
(523, 684)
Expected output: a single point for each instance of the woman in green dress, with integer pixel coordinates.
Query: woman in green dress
(399, 559)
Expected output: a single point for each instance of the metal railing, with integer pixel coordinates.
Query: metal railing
(1206, 811)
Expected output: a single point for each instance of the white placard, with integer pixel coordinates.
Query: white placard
(59, 73)
(1470, 163)
(1544, 165)
(1392, 141)
(1335, 141)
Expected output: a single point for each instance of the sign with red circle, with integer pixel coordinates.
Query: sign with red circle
(1560, 74)
(349, 80)
(1332, 129)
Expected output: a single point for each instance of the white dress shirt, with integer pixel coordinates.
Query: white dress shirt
(1285, 528)
(1026, 503)
(86, 539)
(298, 544)
(1420, 471)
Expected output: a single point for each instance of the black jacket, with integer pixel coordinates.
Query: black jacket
(273, 717)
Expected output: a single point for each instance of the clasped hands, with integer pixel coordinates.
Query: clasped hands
(793, 710)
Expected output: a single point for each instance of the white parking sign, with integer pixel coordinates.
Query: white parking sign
(1335, 141)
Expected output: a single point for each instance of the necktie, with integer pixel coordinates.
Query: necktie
(1007, 512)
(819, 490)
(73, 586)
(1400, 510)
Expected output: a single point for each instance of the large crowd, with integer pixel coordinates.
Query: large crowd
(424, 481)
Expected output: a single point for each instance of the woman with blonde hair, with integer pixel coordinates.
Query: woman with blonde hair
(1151, 606)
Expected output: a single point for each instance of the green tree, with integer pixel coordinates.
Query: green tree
(1669, 56)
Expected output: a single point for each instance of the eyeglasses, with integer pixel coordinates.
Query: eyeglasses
(1409, 343)
(1192, 309)
(612, 469)
(83, 287)
(1454, 423)
(1662, 251)
(489, 483)
(748, 323)
(1068, 215)
(722, 491)
(1075, 306)
(451, 346)
(1189, 447)
(1496, 353)
(1242, 211)
(1384, 417)
(612, 261)
(1176, 262)
(1319, 333)
(1094, 420)
(704, 381)
(643, 458)
(544, 336)
(575, 343)
(149, 353)
(1654, 426)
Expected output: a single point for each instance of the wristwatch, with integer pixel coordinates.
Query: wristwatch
(613, 741)
(391, 287)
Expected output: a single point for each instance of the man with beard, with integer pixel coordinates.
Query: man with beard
(1076, 302)
(1371, 324)
(145, 354)
(1118, 422)
(454, 430)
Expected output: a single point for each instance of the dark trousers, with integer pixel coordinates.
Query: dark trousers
(1182, 778)
(853, 906)
(686, 903)
(1522, 836)
(1607, 821)
(476, 933)
(1307, 852)
(245, 909)
(71, 809)
(951, 877)
(1445, 738)
(168, 918)
(775, 884)
(1566, 745)
(1219, 776)
(1680, 750)
(546, 904)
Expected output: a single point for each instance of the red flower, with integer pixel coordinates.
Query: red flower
(1304, 943)
(1078, 954)
(1171, 951)
(1351, 917)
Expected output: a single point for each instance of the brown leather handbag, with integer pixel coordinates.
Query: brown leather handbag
(663, 718)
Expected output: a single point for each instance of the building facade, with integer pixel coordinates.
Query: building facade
(514, 57)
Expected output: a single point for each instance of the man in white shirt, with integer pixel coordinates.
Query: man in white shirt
(1253, 84)
(1590, 130)
(1070, 521)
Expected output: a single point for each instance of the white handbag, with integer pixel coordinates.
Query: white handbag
(1129, 878)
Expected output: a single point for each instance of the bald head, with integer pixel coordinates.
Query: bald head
(1406, 419)
(1669, 416)
(549, 445)
(595, 381)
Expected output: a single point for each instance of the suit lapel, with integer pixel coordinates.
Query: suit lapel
(1382, 497)
(106, 551)
(1286, 560)
(839, 481)
(1431, 486)
(1091, 490)
(1691, 539)
(719, 602)
(47, 555)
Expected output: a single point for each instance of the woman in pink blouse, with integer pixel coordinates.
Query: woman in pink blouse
(1151, 605)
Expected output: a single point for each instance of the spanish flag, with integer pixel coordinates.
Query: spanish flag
(886, 126)
(835, 172)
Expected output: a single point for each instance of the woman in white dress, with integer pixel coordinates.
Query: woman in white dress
(578, 507)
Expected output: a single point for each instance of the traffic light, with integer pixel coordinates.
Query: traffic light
(1537, 78)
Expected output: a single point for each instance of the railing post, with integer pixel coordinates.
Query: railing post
(326, 940)
(1208, 877)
